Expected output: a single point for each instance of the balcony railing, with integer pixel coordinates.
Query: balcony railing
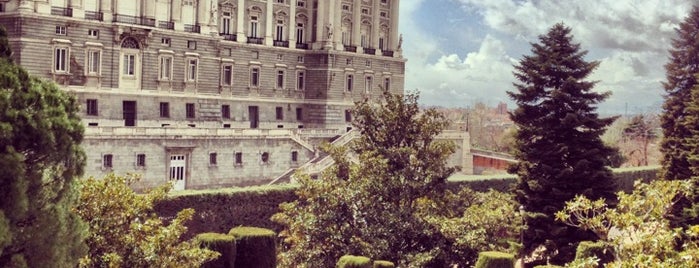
(134, 20)
(229, 37)
(387, 53)
(370, 51)
(351, 48)
(192, 28)
(94, 15)
(62, 11)
(280, 43)
(166, 25)
(301, 46)
(255, 40)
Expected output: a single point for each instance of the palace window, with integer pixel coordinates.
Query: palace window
(280, 113)
(190, 110)
(140, 160)
(165, 109)
(280, 79)
(165, 73)
(92, 107)
(93, 61)
(350, 81)
(255, 77)
(226, 111)
(227, 75)
(300, 80)
(60, 59)
(192, 68)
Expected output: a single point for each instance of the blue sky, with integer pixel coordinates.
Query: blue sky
(461, 51)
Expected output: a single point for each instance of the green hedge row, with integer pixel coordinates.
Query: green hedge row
(257, 247)
(494, 259)
(350, 261)
(221, 243)
(218, 210)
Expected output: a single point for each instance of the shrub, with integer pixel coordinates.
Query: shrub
(256, 247)
(598, 249)
(383, 264)
(548, 266)
(222, 243)
(495, 259)
(349, 261)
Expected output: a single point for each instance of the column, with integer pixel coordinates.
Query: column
(240, 22)
(177, 14)
(394, 33)
(292, 23)
(357, 24)
(269, 22)
(321, 24)
(375, 25)
(149, 9)
(203, 12)
(106, 9)
(336, 17)
(309, 28)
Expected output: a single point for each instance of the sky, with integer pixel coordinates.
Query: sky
(460, 52)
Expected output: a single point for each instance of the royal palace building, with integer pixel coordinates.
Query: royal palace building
(210, 93)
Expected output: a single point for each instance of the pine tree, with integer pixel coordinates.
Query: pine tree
(558, 142)
(40, 157)
(680, 75)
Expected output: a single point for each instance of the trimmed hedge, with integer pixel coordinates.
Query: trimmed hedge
(349, 261)
(383, 264)
(595, 249)
(222, 243)
(495, 259)
(256, 247)
(218, 210)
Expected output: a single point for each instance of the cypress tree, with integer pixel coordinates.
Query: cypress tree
(40, 157)
(680, 76)
(558, 142)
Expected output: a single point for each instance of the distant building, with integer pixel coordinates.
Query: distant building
(209, 93)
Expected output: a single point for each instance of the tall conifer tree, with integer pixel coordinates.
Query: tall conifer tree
(558, 142)
(680, 78)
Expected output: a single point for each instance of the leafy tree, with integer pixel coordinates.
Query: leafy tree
(369, 208)
(637, 229)
(640, 132)
(558, 142)
(680, 75)
(40, 133)
(124, 231)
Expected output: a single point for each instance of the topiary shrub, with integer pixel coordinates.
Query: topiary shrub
(494, 259)
(595, 249)
(255, 247)
(349, 261)
(221, 243)
(383, 264)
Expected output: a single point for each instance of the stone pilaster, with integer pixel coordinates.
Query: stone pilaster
(269, 23)
(242, 37)
(292, 23)
(394, 31)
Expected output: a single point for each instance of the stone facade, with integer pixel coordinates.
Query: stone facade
(166, 84)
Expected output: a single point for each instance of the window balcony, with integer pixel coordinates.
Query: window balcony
(387, 53)
(255, 40)
(94, 15)
(350, 48)
(302, 46)
(192, 28)
(229, 37)
(166, 25)
(134, 20)
(62, 11)
(280, 43)
(370, 51)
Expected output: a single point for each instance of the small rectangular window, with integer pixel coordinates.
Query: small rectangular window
(368, 63)
(350, 81)
(367, 84)
(300, 4)
(92, 107)
(238, 158)
(93, 33)
(294, 156)
(226, 111)
(129, 64)
(165, 41)
(190, 110)
(165, 68)
(348, 116)
(140, 160)
(165, 109)
(299, 59)
(227, 75)
(365, 11)
(280, 113)
(254, 77)
(300, 80)
(60, 30)
(192, 44)
(93, 62)
(212, 159)
(192, 70)
(280, 79)
(107, 161)
(387, 83)
(299, 114)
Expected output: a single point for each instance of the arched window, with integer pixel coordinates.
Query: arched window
(130, 42)
(383, 37)
(346, 32)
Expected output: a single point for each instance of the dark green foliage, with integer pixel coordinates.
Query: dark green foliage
(548, 266)
(597, 249)
(256, 247)
(383, 264)
(221, 243)
(680, 79)
(558, 142)
(40, 157)
(349, 261)
(216, 211)
(494, 259)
